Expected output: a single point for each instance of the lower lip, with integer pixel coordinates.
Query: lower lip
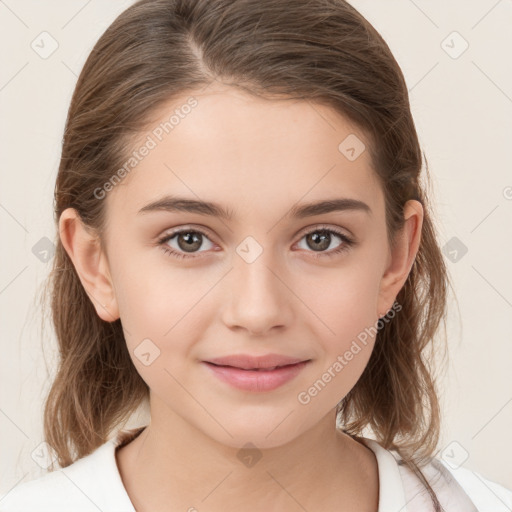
(256, 380)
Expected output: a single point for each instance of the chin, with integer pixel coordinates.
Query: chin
(260, 434)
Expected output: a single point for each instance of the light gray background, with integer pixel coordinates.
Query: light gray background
(463, 110)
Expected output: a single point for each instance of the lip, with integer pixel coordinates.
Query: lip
(239, 372)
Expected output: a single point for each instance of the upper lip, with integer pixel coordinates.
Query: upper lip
(248, 362)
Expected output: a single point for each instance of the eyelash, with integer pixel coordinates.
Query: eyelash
(345, 246)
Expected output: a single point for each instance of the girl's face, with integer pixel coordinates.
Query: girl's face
(264, 279)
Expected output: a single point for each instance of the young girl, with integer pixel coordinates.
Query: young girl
(245, 246)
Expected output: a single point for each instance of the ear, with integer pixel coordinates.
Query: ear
(90, 262)
(401, 256)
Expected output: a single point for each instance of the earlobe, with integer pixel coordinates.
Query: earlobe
(91, 264)
(401, 256)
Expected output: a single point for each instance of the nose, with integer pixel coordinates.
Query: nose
(259, 299)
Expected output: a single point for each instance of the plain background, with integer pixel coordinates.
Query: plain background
(462, 105)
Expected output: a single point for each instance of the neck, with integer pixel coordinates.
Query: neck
(171, 462)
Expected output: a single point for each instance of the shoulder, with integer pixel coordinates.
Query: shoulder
(456, 488)
(90, 484)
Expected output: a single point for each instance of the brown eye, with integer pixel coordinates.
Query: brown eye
(189, 241)
(179, 243)
(321, 239)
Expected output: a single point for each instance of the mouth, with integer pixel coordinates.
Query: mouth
(256, 379)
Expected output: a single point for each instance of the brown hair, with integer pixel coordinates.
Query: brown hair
(316, 50)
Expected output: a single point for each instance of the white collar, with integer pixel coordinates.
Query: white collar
(391, 488)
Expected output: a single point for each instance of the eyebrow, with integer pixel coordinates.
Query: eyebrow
(182, 204)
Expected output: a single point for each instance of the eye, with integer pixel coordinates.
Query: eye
(187, 241)
(322, 238)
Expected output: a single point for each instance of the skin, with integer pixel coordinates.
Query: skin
(257, 158)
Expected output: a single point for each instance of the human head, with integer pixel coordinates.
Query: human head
(159, 50)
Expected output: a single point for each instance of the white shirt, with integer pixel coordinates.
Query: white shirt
(93, 483)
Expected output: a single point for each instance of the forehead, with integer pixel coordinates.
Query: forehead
(245, 152)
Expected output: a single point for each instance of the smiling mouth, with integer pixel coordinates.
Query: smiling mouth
(257, 379)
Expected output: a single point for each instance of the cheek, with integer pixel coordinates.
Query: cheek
(343, 321)
(163, 304)
(150, 291)
(343, 300)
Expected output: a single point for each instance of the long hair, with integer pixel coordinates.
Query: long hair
(320, 51)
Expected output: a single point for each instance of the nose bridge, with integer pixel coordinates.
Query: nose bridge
(258, 300)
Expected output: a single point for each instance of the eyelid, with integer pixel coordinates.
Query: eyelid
(169, 233)
(329, 227)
